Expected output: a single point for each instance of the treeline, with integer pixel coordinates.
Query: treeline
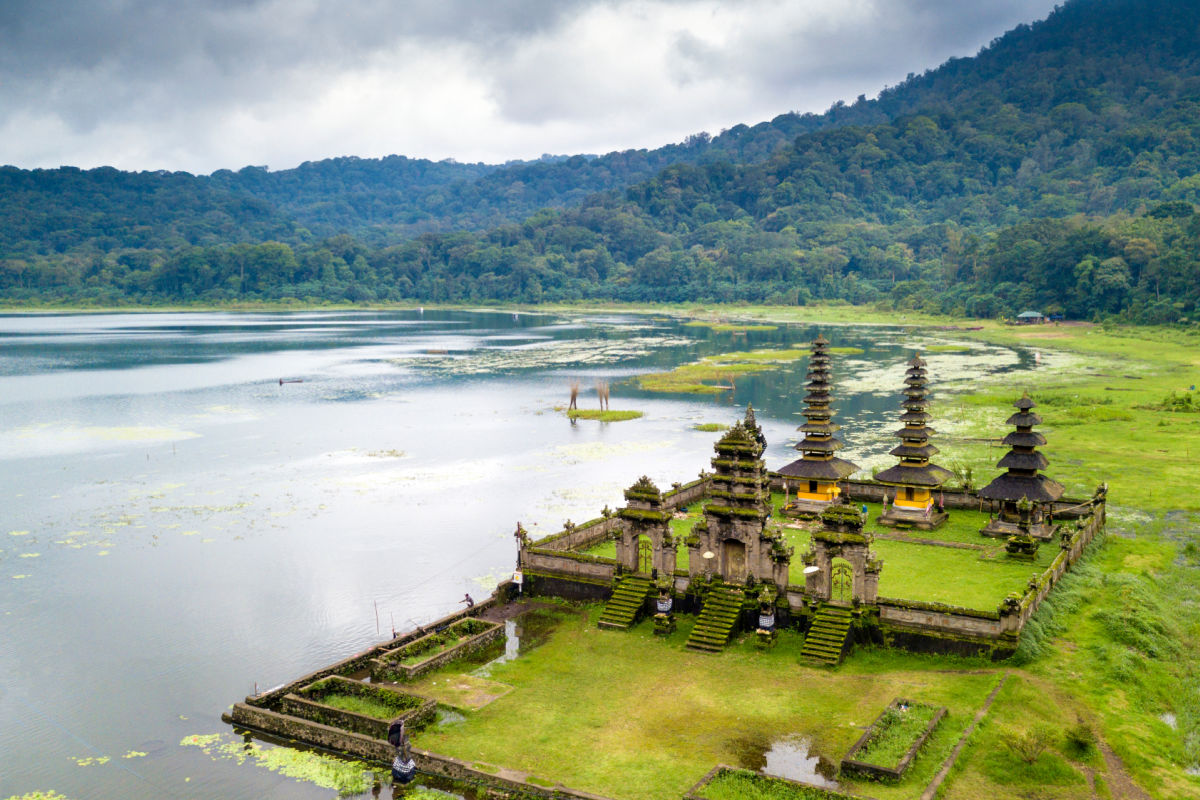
(1058, 170)
(1140, 269)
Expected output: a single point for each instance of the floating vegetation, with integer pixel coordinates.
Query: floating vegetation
(46, 795)
(92, 761)
(47, 439)
(689, 378)
(135, 754)
(846, 351)
(19, 577)
(730, 327)
(29, 555)
(710, 427)
(541, 355)
(603, 416)
(752, 356)
(346, 777)
(18, 533)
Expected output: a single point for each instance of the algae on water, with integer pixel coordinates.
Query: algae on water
(346, 777)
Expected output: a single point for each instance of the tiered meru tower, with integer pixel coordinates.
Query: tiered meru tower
(1022, 496)
(814, 476)
(733, 534)
(915, 477)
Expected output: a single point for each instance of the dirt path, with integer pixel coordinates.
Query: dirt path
(932, 788)
(1119, 782)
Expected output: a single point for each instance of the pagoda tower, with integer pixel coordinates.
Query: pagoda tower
(915, 477)
(1022, 496)
(814, 476)
(733, 541)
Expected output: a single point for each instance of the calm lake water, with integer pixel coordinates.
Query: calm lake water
(178, 526)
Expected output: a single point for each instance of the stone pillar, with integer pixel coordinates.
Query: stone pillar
(664, 558)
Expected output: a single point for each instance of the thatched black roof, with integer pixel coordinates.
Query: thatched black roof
(914, 434)
(1024, 461)
(1036, 488)
(1024, 439)
(1023, 419)
(911, 475)
(924, 451)
(831, 469)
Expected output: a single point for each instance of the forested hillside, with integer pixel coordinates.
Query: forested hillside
(1058, 169)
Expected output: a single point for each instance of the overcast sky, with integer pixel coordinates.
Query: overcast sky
(199, 85)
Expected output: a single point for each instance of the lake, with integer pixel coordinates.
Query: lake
(199, 504)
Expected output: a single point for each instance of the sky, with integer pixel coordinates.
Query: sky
(201, 85)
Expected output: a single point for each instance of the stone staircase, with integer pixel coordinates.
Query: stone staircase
(622, 609)
(826, 639)
(717, 620)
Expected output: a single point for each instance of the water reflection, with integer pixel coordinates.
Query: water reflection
(791, 757)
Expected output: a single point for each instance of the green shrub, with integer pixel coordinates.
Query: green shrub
(1029, 744)
(1080, 739)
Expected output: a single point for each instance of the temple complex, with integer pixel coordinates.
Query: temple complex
(814, 476)
(915, 478)
(1020, 498)
(714, 565)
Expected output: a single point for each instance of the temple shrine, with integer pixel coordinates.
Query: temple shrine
(915, 478)
(813, 478)
(1021, 496)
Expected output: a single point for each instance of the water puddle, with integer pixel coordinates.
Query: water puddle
(790, 757)
(447, 717)
(521, 634)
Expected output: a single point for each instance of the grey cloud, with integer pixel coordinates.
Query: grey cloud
(83, 58)
(170, 72)
(856, 58)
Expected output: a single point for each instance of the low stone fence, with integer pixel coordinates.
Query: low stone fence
(685, 494)
(942, 628)
(784, 785)
(851, 765)
(362, 660)
(375, 750)
(553, 565)
(579, 537)
(474, 635)
(1072, 545)
(413, 709)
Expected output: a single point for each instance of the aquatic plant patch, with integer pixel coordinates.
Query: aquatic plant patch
(344, 776)
(888, 747)
(434, 650)
(603, 416)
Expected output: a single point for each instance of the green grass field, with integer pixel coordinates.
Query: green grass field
(653, 718)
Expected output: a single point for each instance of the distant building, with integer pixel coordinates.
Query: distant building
(1031, 318)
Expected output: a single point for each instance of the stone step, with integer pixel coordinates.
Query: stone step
(827, 636)
(627, 600)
